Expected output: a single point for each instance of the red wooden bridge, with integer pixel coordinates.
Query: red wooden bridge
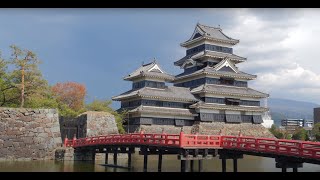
(288, 153)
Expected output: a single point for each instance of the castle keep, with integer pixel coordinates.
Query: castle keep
(211, 92)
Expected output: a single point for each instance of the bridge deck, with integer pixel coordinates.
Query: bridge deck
(300, 149)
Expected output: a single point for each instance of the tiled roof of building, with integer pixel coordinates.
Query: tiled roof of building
(164, 110)
(204, 105)
(229, 90)
(214, 54)
(211, 70)
(213, 33)
(170, 93)
(151, 70)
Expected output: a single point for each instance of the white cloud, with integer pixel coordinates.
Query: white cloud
(281, 50)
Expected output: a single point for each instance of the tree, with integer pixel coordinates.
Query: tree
(6, 87)
(26, 77)
(104, 105)
(100, 105)
(316, 131)
(42, 99)
(71, 94)
(276, 132)
(300, 134)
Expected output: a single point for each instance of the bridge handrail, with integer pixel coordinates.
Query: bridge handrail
(272, 145)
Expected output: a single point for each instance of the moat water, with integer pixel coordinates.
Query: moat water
(170, 164)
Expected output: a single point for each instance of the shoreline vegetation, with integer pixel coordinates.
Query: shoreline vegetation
(297, 134)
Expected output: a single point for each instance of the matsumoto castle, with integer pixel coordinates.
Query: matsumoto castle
(211, 93)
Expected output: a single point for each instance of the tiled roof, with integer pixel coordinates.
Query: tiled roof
(212, 33)
(146, 70)
(229, 90)
(207, 53)
(228, 107)
(170, 93)
(211, 70)
(164, 110)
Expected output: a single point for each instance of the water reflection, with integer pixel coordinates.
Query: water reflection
(170, 164)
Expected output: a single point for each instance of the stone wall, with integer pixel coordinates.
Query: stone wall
(246, 129)
(88, 124)
(27, 134)
(160, 128)
(99, 123)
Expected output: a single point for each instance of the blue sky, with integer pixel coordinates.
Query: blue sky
(97, 47)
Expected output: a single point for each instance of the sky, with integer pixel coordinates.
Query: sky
(98, 47)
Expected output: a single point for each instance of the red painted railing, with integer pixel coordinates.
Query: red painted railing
(268, 145)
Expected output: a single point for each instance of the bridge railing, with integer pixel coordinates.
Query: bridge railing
(134, 138)
(310, 149)
(278, 146)
(196, 140)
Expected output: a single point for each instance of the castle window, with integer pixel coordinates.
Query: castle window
(231, 101)
(226, 81)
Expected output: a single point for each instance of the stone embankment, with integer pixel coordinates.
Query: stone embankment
(27, 134)
(216, 128)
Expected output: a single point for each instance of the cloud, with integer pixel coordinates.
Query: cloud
(281, 50)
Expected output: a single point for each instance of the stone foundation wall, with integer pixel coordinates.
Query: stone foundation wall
(247, 129)
(88, 124)
(100, 123)
(162, 128)
(27, 134)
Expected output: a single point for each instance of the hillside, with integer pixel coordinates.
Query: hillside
(285, 108)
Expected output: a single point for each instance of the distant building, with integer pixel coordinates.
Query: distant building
(316, 115)
(308, 123)
(292, 124)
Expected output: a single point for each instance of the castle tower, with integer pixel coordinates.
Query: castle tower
(211, 73)
(212, 93)
(151, 102)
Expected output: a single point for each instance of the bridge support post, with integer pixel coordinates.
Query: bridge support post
(160, 162)
(106, 158)
(200, 165)
(183, 165)
(224, 165)
(115, 158)
(129, 160)
(187, 166)
(229, 154)
(286, 162)
(191, 165)
(235, 165)
(145, 162)
(284, 169)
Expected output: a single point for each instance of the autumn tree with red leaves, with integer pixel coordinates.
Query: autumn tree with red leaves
(70, 94)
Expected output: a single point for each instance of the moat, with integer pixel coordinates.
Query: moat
(170, 164)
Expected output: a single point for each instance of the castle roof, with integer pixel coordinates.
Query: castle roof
(204, 105)
(211, 33)
(171, 93)
(164, 111)
(212, 71)
(152, 69)
(213, 54)
(228, 90)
